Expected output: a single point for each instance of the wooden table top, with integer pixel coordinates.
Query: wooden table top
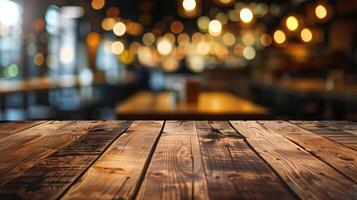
(216, 105)
(178, 160)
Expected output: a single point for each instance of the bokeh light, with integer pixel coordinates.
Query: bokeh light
(279, 36)
(249, 53)
(320, 11)
(98, 4)
(306, 35)
(246, 15)
(117, 47)
(176, 27)
(292, 23)
(119, 29)
(189, 5)
(148, 39)
(164, 46)
(215, 28)
(202, 23)
(265, 40)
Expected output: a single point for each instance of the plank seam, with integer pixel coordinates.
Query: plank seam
(90, 165)
(202, 160)
(322, 135)
(313, 154)
(286, 185)
(147, 164)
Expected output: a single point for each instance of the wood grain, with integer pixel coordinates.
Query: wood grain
(9, 128)
(333, 133)
(308, 176)
(176, 170)
(37, 143)
(233, 169)
(347, 126)
(117, 172)
(51, 177)
(341, 158)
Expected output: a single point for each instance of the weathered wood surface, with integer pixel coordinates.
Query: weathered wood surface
(115, 175)
(341, 158)
(233, 170)
(337, 134)
(50, 178)
(26, 148)
(178, 160)
(306, 174)
(176, 170)
(9, 128)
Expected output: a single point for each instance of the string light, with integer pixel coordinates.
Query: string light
(265, 40)
(202, 23)
(117, 47)
(119, 29)
(246, 15)
(320, 11)
(215, 28)
(98, 4)
(306, 35)
(292, 23)
(164, 47)
(279, 36)
(189, 5)
(248, 53)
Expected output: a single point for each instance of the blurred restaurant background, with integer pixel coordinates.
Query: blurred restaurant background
(107, 59)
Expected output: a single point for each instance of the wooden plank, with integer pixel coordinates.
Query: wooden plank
(41, 142)
(117, 172)
(336, 134)
(233, 169)
(176, 170)
(339, 157)
(180, 127)
(347, 126)
(9, 128)
(308, 176)
(23, 137)
(95, 141)
(50, 178)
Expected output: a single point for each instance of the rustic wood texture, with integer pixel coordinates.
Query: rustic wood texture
(178, 160)
(337, 134)
(27, 148)
(9, 128)
(176, 170)
(233, 170)
(117, 172)
(307, 175)
(334, 154)
(350, 127)
(50, 178)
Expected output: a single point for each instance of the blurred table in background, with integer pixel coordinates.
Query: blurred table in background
(212, 105)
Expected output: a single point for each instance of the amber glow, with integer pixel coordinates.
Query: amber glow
(98, 4)
(292, 23)
(119, 29)
(320, 11)
(306, 35)
(215, 28)
(279, 36)
(189, 5)
(246, 15)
